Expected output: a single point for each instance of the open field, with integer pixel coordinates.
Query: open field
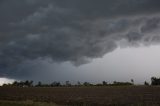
(85, 96)
(25, 103)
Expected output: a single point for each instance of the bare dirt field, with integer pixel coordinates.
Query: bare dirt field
(86, 96)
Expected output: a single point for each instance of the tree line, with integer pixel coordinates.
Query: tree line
(27, 83)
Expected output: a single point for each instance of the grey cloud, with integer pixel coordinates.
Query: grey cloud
(74, 31)
(151, 25)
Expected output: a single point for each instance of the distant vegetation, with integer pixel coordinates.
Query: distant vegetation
(154, 81)
(67, 84)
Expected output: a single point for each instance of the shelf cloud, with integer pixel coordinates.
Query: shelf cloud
(72, 30)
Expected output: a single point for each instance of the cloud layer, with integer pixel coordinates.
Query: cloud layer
(72, 30)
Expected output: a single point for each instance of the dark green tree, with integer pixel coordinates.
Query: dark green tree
(155, 81)
(146, 83)
(104, 83)
(132, 81)
(55, 84)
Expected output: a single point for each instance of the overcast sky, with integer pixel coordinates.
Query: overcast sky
(79, 40)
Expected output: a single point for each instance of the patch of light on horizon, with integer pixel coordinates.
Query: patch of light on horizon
(5, 81)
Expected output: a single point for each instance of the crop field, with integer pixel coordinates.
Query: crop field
(81, 96)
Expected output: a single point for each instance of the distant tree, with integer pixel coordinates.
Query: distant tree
(39, 84)
(104, 83)
(115, 83)
(146, 83)
(132, 81)
(15, 83)
(4, 85)
(22, 83)
(79, 83)
(55, 84)
(68, 83)
(26, 83)
(87, 84)
(155, 81)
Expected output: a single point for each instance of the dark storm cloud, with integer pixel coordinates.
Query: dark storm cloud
(71, 30)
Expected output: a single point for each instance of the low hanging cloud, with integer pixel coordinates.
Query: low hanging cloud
(72, 30)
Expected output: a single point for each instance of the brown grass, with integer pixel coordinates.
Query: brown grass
(90, 96)
(25, 103)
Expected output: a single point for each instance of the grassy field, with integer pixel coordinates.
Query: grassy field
(82, 96)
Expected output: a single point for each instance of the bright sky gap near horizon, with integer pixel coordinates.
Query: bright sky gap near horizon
(79, 40)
